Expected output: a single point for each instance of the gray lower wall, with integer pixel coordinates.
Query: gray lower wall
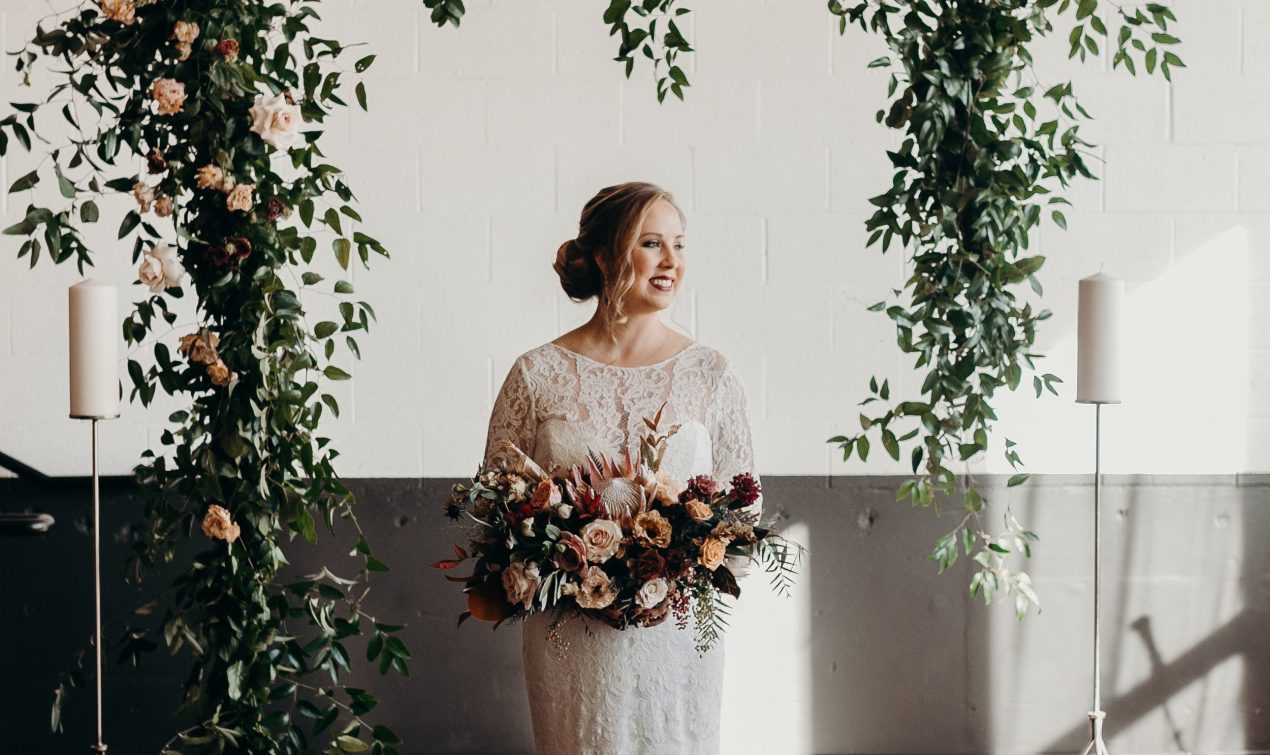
(874, 653)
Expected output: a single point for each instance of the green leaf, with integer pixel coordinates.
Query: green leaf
(25, 182)
(1017, 479)
(88, 212)
(335, 373)
(351, 744)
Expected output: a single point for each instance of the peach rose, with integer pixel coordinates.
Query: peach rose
(209, 177)
(698, 511)
(185, 32)
(240, 199)
(546, 495)
(652, 529)
(160, 268)
(596, 590)
(169, 95)
(713, 551)
(123, 11)
(520, 582)
(276, 120)
(602, 537)
(217, 524)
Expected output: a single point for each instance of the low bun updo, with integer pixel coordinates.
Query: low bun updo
(598, 262)
(580, 276)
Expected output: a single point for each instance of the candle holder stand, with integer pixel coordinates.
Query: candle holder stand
(98, 747)
(1096, 744)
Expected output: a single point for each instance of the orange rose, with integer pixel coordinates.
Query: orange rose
(713, 551)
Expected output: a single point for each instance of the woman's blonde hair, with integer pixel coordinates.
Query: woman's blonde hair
(598, 261)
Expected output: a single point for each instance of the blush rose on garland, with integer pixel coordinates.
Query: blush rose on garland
(208, 115)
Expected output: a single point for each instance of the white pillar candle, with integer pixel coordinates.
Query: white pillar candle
(94, 350)
(1098, 336)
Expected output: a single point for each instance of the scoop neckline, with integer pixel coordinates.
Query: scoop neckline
(665, 361)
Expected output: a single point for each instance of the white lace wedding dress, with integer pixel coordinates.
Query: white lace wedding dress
(594, 689)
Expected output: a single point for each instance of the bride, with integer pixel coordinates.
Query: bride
(592, 688)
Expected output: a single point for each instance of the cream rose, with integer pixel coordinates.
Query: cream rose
(698, 511)
(169, 95)
(240, 199)
(276, 120)
(520, 582)
(209, 177)
(218, 524)
(596, 590)
(713, 551)
(160, 268)
(123, 11)
(652, 593)
(602, 537)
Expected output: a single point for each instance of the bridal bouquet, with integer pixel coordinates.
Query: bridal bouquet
(616, 540)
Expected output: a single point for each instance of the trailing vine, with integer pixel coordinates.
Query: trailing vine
(208, 113)
(980, 163)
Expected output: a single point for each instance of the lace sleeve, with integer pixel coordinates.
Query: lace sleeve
(513, 417)
(730, 430)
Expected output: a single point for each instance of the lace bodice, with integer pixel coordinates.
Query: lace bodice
(592, 688)
(556, 403)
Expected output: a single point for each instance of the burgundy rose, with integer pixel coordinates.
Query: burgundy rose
(233, 251)
(228, 49)
(700, 488)
(155, 161)
(745, 488)
(274, 208)
(676, 564)
(570, 553)
(649, 565)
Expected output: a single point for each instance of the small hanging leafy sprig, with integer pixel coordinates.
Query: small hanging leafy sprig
(978, 165)
(203, 106)
(642, 38)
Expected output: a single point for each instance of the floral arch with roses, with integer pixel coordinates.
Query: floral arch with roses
(209, 113)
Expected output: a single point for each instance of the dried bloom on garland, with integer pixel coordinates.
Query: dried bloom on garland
(143, 194)
(227, 49)
(200, 347)
(233, 251)
(218, 525)
(163, 205)
(169, 95)
(276, 120)
(275, 208)
(219, 372)
(240, 199)
(209, 177)
(160, 268)
(155, 161)
(123, 11)
(184, 33)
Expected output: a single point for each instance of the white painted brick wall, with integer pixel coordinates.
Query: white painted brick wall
(483, 143)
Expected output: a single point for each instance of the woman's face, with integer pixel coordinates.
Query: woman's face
(658, 260)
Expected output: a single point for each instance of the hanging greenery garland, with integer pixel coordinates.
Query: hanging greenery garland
(208, 113)
(986, 148)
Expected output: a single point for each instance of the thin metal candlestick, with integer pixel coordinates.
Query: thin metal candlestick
(1096, 744)
(99, 748)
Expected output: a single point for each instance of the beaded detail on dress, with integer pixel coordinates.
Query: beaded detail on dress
(592, 688)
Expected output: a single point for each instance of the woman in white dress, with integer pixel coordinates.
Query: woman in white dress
(593, 688)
